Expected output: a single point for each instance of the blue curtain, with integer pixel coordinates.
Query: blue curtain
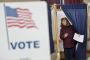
(77, 14)
(50, 30)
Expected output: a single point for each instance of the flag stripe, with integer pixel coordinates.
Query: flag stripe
(23, 19)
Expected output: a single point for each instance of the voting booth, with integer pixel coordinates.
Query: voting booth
(24, 31)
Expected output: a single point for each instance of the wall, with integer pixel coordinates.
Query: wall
(73, 1)
(89, 21)
(17, 0)
(88, 42)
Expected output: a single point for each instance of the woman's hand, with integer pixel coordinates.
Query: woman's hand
(65, 35)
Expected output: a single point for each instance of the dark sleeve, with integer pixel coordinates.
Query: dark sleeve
(75, 30)
(70, 32)
(61, 34)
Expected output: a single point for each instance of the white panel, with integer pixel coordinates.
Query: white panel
(25, 43)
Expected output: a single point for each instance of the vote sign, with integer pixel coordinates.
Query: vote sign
(24, 32)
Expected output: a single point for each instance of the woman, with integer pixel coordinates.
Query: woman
(66, 34)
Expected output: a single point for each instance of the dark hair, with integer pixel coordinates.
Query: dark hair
(67, 22)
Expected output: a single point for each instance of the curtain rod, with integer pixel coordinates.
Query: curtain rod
(58, 4)
(52, 6)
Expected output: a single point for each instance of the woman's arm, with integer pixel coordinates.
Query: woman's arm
(61, 34)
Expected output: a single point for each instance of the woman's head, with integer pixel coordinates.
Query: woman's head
(65, 22)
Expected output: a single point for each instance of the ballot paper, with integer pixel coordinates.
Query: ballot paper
(78, 37)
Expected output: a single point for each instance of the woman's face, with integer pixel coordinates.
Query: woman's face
(64, 22)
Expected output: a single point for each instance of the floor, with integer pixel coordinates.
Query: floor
(53, 57)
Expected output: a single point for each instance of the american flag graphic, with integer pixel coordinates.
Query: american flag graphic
(18, 17)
